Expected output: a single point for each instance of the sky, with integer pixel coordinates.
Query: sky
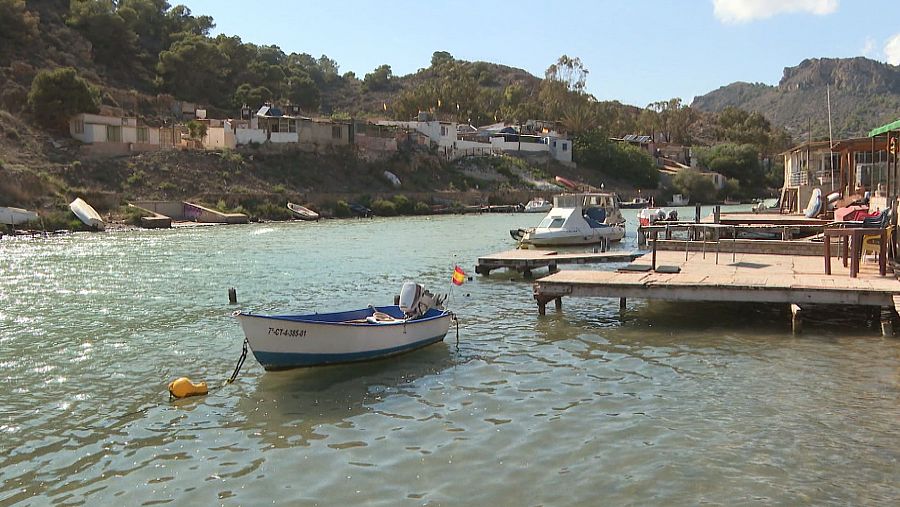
(636, 52)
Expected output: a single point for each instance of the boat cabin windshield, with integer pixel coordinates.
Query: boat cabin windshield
(551, 223)
(584, 200)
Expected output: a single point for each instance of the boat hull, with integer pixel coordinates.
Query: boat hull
(282, 342)
(302, 212)
(87, 214)
(15, 216)
(538, 237)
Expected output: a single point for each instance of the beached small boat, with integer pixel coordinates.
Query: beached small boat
(302, 212)
(577, 219)
(538, 205)
(360, 210)
(15, 216)
(290, 341)
(87, 214)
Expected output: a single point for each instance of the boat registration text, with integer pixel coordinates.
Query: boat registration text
(294, 333)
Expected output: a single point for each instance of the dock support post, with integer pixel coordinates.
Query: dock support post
(482, 270)
(552, 267)
(696, 213)
(796, 320)
(622, 302)
(232, 296)
(558, 303)
(887, 324)
(717, 213)
(526, 273)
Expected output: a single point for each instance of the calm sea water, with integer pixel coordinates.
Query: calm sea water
(666, 404)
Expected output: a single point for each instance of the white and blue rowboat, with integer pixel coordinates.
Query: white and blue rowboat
(281, 342)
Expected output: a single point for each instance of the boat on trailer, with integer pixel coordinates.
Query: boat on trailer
(577, 219)
(282, 342)
(302, 212)
(87, 214)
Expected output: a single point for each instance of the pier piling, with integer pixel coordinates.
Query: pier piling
(232, 296)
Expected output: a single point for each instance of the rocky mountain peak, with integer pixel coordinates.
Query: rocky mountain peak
(860, 75)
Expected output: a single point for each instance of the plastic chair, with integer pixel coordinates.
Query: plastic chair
(871, 243)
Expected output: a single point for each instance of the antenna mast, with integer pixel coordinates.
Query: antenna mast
(830, 137)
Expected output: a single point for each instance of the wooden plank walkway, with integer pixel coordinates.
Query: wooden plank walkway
(796, 280)
(525, 260)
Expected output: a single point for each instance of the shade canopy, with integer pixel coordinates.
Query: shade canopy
(885, 128)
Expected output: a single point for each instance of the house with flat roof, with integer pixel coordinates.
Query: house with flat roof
(107, 135)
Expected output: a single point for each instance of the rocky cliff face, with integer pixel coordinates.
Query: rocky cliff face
(864, 94)
(859, 75)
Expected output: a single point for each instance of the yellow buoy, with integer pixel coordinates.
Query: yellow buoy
(183, 387)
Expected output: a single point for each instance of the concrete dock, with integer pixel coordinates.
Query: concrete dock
(749, 277)
(525, 261)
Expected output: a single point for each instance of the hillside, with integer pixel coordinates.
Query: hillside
(864, 93)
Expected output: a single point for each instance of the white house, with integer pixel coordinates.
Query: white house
(113, 135)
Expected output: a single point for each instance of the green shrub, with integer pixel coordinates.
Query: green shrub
(136, 178)
(57, 95)
(403, 204)
(384, 208)
(422, 208)
(133, 215)
(342, 209)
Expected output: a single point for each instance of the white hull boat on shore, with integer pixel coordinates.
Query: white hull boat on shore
(302, 212)
(15, 216)
(577, 219)
(87, 214)
(281, 342)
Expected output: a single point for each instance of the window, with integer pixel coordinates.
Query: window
(113, 134)
(293, 126)
(78, 126)
(554, 144)
(565, 146)
(143, 135)
(336, 132)
(443, 131)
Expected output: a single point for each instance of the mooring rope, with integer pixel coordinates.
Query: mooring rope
(240, 362)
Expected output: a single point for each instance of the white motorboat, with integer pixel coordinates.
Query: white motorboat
(87, 214)
(290, 341)
(538, 205)
(577, 219)
(636, 203)
(15, 216)
(302, 212)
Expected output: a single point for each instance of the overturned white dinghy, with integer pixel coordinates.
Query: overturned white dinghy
(15, 216)
(302, 212)
(290, 341)
(87, 214)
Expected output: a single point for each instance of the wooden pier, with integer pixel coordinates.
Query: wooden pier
(737, 277)
(525, 261)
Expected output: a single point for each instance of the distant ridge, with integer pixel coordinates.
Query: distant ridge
(864, 93)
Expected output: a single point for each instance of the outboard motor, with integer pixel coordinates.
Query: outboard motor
(673, 215)
(415, 300)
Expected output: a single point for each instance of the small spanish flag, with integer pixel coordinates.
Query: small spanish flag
(459, 276)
